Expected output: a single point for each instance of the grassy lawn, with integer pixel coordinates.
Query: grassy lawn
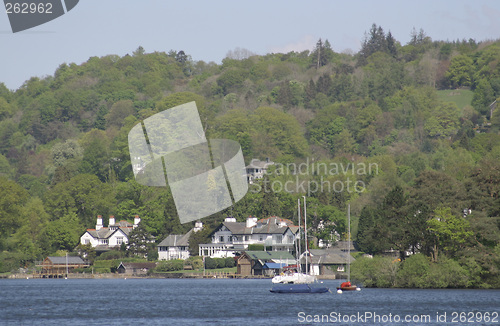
(461, 97)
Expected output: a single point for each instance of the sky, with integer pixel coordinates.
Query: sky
(207, 30)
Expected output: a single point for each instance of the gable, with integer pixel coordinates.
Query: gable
(88, 235)
(117, 233)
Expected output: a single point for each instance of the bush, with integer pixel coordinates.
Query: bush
(448, 274)
(256, 247)
(213, 263)
(194, 261)
(210, 263)
(10, 261)
(170, 266)
(153, 254)
(112, 254)
(230, 262)
(221, 262)
(414, 272)
(375, 272)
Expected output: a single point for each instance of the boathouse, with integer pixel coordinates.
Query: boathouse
(56, 267)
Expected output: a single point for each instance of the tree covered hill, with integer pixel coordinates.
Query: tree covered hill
(64, 155)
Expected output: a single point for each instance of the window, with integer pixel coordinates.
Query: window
(261, 238)
(86, 241)
(104, 241)
(221, 238)
(230, 238)
(279, 238)
(246, 238)
(119, 240)
(290, 239)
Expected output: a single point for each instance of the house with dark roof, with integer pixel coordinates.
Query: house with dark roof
(106, 238)
(258, 262)
(274, 233)
(135, 268)
(176, 246)
(327, 261)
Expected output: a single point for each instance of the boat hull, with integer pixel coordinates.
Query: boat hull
(298, 288)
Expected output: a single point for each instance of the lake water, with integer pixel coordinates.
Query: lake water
(232, 302)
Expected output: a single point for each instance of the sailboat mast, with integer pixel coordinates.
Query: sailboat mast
(300, 247)
(305, 233)
(349, 242)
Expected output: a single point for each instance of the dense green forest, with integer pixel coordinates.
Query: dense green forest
(407, 134)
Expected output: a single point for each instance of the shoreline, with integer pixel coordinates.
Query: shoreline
(191, 276)
(153, 276)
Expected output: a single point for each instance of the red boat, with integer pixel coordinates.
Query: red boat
(347, 286)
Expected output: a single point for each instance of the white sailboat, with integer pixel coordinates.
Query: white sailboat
(291, 276)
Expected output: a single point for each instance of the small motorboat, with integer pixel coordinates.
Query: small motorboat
(347, 286)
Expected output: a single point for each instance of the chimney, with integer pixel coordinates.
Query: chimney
(111, 220)
(137, 220)
(251, 222)
(98, 226)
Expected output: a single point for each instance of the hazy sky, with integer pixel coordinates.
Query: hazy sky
(207, 30)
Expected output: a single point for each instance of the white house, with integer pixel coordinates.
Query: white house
(256, 169)
(274, 233)
(105, 238)
(177, 246)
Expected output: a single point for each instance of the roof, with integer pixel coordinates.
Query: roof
(275, 220)
(342, 245)
(270, 225)
(73, 260)
(273, 265)
(258, 164)
(123, 224)
(176, 240)
(328, 256)
(269, 255)
(105, 232)
(137, 265)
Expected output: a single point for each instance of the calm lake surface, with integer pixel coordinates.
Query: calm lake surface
(232, 302)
